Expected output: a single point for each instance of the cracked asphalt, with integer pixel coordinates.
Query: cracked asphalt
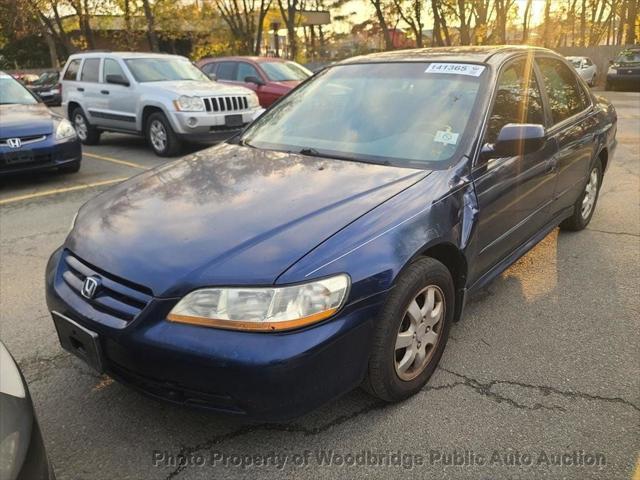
(541, 379)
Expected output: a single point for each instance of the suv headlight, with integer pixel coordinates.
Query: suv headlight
(65, 130)
(263, 309)
(612, 70)
(253, 101)
(189, 104)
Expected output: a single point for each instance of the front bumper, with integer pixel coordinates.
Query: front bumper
(208, 126)
(42, 155)
(624, 80)
(270, 376)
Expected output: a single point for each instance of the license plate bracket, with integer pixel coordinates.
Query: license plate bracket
(80, 341)
(13, 158)
(233, 120)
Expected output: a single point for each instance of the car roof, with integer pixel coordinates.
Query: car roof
(123, 55)
(248, 58)
(477, 54)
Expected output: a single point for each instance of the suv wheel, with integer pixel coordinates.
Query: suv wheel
(586, 203)
(161, 137)
(87, 133)
(412, 331)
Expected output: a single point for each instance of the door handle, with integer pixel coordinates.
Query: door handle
(80, 89)
(104, 92)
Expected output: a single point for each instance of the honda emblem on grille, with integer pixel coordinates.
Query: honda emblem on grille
(14, 142)
(90, 286)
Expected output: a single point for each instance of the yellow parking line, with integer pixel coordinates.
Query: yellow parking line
(55, 191)
(114, 160)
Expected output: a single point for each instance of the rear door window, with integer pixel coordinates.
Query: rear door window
(71, 73)
(90, 70)
(566, 97)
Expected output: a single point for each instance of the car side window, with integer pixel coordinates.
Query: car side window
(226, 71)
(245, 70)
(518, 99)
(209, 68)
(111, 67)
(71, 73)
(566, 96)
(90, 70)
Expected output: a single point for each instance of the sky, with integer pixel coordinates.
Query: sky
(363, 11)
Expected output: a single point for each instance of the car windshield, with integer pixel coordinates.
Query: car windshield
(11, 92)
(576, 62)
(629, 56)
(164, 69)
(400, 113)
(284, 71)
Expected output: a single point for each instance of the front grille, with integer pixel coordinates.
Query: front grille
(24, 140)
(226, 104)
(114, 296)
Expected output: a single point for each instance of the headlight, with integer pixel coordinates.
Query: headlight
(263, 309)
(253, 101)
(612, 70)
(10, 380)
(189, 104)
(65, 130)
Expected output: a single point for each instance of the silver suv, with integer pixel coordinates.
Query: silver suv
(165, 98)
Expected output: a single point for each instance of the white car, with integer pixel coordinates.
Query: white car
(164, 98)
(585, 68)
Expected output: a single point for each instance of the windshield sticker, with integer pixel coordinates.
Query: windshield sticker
(456, 68)
(446, 137)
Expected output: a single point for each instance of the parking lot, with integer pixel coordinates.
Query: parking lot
(544, 368)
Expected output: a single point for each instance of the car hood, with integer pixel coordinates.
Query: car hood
(199, 89)
(229, 215)
(24, 120)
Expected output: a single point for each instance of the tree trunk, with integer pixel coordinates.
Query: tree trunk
(583, 24)
(632, 19)
(525, 21)
(388, 41)
(547, 24)
(151, 27)
(464, 27)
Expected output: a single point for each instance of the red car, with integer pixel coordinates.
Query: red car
(270, 78)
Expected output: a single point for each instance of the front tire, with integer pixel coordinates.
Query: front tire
(87, 133)
(412, 331)
(586, 203)
(161, 137)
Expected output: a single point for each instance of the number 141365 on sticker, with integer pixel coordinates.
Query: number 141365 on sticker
(456, 69)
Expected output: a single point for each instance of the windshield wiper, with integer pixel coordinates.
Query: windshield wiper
(312, 152)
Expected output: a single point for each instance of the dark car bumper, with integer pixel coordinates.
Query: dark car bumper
(40, 156)
(260, 375)
(631, 81)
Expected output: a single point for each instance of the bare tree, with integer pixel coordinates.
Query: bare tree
(411, 14)
(379, 7)
(526, 18)
(245, 19)
(151, 26)
(290, 12)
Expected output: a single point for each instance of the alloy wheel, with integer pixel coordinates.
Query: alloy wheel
(81, 126)
(590, 194)
(419, 332)
(158, 135)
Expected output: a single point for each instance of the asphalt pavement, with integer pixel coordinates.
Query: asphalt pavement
(541, 379)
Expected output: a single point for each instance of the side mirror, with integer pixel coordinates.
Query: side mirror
(213, 77)
(252, 79)
(516, 139)
(117, 80)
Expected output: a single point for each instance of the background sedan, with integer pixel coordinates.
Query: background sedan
(270, 78)
(32, 137)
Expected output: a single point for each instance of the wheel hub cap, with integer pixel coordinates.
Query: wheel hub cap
(419, 332)
(590, 194)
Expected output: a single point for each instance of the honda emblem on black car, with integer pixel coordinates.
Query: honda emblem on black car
(89, 287)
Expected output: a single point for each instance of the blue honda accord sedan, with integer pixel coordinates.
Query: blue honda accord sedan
(32, 137)
(332, 244)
